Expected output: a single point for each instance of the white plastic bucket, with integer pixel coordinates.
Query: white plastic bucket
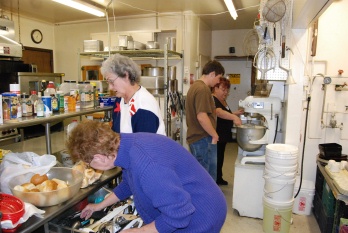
(279, 175)
(281, 169)
(277, 216)
(279, 190)
(278, 160)
(283, 149)
(281, 154)
(303, 202)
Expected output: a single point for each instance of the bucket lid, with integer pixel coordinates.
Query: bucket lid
(282, 148)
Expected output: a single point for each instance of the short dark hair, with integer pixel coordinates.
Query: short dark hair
(213, 66)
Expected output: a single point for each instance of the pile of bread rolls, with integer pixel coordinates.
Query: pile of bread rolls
(90, 175)
(41, 183)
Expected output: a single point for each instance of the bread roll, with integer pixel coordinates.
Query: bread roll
(61, 184)
(47, 186)
(20, 188)
(36, 190)
(28, 186)
(38, 179)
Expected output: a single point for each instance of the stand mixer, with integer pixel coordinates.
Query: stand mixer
(252, 138)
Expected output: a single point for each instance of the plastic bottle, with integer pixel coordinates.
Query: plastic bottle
(95, 95)
(71, 126)
(86, 95)
(67, 85)
(55, 103)
(60, 96)
(34, 98)
(40, 108)
(27, 107)
(19, 106)
(50, 90)
(6, 110)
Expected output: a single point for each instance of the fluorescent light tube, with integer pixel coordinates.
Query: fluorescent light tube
(79, 5)
(231, 9)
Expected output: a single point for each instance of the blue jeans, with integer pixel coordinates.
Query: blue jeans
(206, 154)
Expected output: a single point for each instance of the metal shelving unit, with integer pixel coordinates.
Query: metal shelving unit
(155, 54)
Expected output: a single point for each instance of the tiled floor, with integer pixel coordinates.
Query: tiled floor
(236, 224)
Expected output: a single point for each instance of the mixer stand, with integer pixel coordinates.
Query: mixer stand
(253, 159)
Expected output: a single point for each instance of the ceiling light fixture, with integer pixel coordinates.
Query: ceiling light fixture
(231, 9)
(82, 6)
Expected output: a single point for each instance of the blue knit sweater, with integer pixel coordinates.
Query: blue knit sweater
(169, 186)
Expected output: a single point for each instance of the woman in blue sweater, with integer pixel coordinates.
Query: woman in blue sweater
(172, 192)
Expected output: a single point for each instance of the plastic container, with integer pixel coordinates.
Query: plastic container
(86, 95)
(303, 201)
(50, 89)
(11, 100)
(27, 106)
(33, 98)
(281, 169)
(279, 189)
(12, 208)
(277, 216)
(67, 85)
(39, 106)
(66, 159)
(330, 150)
(47, 101)
(281, 154)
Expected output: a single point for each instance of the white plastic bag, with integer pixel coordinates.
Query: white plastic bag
(14, 164)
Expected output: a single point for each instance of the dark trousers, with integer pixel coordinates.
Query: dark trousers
(220, 159)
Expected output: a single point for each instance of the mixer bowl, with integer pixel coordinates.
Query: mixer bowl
(247, 133)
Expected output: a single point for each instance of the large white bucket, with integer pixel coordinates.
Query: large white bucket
(281, 169)
(281, 154)
(279, 175)
(278, 189)
(277, 216)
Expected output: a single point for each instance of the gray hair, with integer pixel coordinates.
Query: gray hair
(119, 65)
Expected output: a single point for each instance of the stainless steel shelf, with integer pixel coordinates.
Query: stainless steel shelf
(56, 117)
(148, 54)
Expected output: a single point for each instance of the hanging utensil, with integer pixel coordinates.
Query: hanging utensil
(264, 61)
(273, 11)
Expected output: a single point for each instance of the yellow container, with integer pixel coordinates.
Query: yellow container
(277, 216)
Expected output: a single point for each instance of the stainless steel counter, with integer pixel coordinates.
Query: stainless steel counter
(52, 212)
(56, 117)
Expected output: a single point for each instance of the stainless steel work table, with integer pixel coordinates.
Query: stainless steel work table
(52, 212)
(56, 117)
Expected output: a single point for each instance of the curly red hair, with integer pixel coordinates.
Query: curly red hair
(89, 138)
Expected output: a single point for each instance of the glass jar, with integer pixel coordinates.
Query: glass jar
(27, 106)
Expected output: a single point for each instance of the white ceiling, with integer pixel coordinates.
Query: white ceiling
(212, 12)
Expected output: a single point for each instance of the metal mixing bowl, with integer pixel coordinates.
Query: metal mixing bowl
(247, 133)
(41, 199)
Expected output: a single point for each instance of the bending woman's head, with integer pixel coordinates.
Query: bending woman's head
(89, 138)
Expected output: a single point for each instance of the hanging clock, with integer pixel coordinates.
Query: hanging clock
(36, 36)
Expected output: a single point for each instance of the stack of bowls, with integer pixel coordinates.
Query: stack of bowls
(280, 177)
(12, 209)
